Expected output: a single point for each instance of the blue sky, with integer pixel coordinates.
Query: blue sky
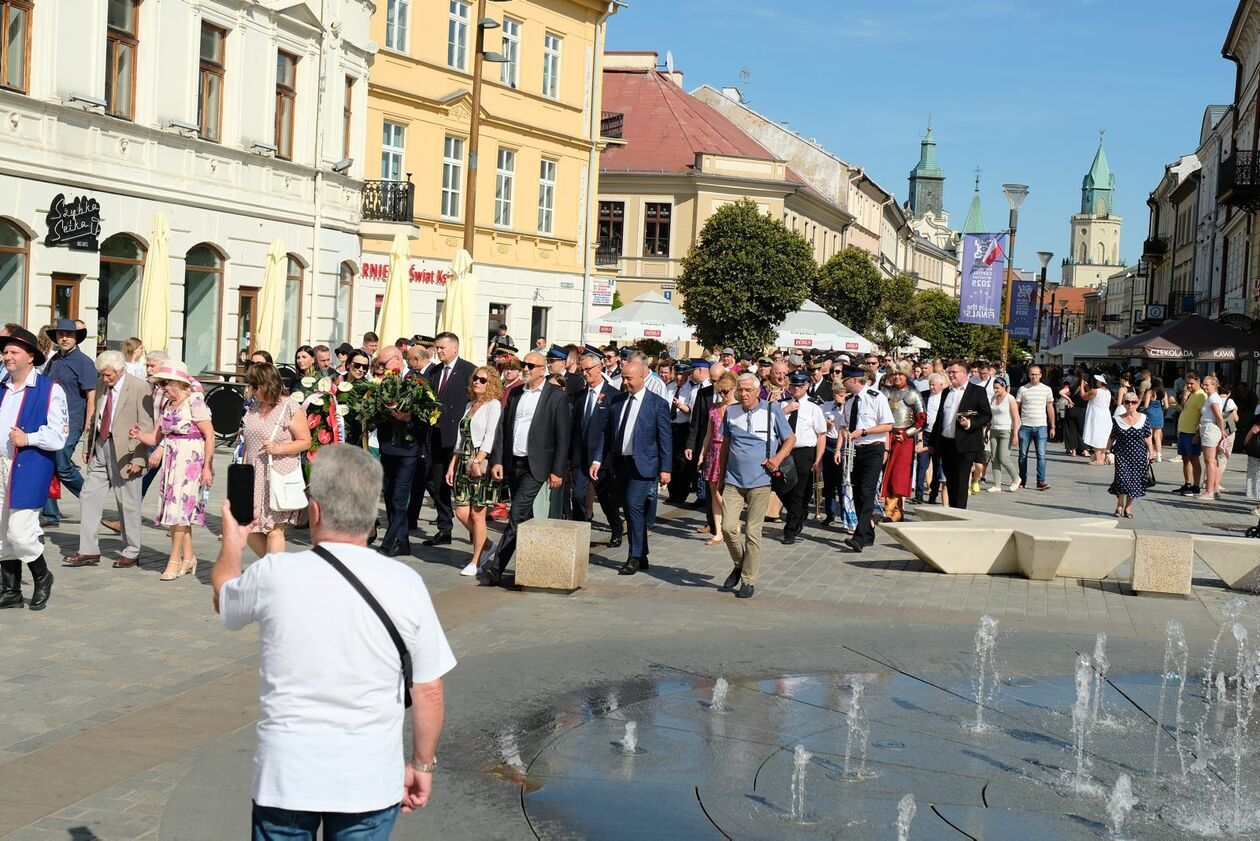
(1019, 88)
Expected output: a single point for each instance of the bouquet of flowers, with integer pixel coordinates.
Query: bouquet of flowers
(325, 413)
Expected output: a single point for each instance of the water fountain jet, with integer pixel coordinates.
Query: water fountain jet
(905, 814)
(986, 668)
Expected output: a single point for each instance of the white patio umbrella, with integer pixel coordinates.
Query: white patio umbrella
(270, 334)
(460, 307)
(155, 288)
(395, 318)
(649, 316)
(812, 327)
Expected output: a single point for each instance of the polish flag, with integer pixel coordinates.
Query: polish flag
(993, 253)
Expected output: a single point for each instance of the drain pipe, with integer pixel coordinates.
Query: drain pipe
(317, 227)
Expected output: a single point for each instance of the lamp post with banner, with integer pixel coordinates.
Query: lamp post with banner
(1015, 195)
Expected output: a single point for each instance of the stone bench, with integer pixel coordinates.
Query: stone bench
(552, 554)
(1163, 563)
(1235, 559)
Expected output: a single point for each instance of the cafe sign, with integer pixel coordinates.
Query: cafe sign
(75, 223)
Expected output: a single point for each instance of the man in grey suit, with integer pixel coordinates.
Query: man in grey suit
(531, 447)
(114, 462)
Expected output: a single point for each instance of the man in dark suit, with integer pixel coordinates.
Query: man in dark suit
(819, 389)
(590, 417)
(450, 384)
(958, 431)
(531, 447)
(638, 445)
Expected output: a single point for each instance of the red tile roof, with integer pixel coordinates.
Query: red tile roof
(1073, 296)
(664, 127)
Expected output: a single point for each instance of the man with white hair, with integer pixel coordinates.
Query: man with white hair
(349, 638)
(114, 461)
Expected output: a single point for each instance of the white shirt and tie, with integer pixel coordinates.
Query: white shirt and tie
(872, 409)
(526, 405)
(625, 422)
(810, 423)
(949, 410)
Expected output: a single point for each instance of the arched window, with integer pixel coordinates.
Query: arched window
(118, 296)
(345, 304)
(203, 286)
(1082, 257)
(1102, 254)
(15, 254)
(292, 307)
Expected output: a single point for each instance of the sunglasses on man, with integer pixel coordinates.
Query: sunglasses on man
(529, 366)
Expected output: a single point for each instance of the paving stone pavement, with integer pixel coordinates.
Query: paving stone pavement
(118, 647)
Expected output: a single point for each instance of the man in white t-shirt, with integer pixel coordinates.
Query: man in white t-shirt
(1036, 424)
(330, 676)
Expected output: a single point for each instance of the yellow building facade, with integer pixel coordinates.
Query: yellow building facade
(537, 170)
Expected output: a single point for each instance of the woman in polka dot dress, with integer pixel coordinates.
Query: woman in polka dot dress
(1131, 444)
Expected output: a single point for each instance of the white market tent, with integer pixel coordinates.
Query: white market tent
(811, 327)
(649, 316)
(1091, 345)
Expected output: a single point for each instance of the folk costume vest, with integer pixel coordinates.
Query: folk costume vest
(32, 471)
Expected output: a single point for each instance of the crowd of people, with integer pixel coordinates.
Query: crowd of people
(579, 431)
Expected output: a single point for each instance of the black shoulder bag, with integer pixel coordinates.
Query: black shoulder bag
(403, 654)
(784, 479)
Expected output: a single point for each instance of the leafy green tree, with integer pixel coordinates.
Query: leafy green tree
(616, 299)
(896, 309)
(934, 318)
(848, 288)
(743, 276)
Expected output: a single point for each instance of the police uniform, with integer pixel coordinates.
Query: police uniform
(810, 427)
(868, 408)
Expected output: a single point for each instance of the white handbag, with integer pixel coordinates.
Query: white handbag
(288, 490)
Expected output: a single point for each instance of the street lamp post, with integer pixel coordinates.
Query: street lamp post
(1044, 257)
(1063, 331)
(1015, 195)
(474, 129)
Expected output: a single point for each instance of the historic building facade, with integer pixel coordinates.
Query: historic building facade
(681, 160)
(537, 170)
(231, 119)
(1094, 252)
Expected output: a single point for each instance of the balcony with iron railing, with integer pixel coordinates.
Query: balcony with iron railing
(608, 252)
(389, 201)
(611, 124)
(1238, 181)
(1180, 303)
(1154, 249)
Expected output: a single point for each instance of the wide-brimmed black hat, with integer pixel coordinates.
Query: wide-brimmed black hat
(26, 339)
(67, 325)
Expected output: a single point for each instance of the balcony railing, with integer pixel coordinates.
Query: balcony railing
(608, 252)
(611, 124)
(1238, 183)
(389, 201)
(1180, 303)
(1154, 248)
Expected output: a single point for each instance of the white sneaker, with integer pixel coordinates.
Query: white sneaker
(996, 489)
(1159, 457)
(469, 570)
(1016, 485)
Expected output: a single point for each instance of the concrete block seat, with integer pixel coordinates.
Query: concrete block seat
(1235, 559)
(1163, 563)
(552, 554)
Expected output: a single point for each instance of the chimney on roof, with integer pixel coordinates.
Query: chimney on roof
(732, 93)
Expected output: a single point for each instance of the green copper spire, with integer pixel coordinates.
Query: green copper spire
(927, 180)
(1098, 187)
(975, 219)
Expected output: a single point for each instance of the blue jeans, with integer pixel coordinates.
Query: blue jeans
(921, 462)
(68, 472)
(271, 824)
(1028, 434)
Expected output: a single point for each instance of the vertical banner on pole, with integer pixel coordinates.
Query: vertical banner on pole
(1023, 309)
(984, 263)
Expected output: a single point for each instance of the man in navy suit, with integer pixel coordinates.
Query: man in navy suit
(450, 383)
(591, 408)
(638, 445)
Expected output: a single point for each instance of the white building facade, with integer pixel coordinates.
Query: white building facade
(233, 119)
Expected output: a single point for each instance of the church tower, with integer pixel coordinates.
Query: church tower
(927, 181)
(1094, 253)
(975, 218)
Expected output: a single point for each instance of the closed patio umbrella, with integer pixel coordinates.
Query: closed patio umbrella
(649, 316)
(270, 333)
(395, 318)
(460, 307)
(155, 288)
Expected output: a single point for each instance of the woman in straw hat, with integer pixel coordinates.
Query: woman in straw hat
(187, 439)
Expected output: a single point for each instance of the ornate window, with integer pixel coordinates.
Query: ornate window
(210, 89)
(121, 43)
(286, 103)
(15, 46)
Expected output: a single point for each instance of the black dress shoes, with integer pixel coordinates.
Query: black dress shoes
(494, 575)
(828, 520)
(918, 500)
(731, 582)
(853, 545)
(745, 592)
(442, 538)
(630, 567)
(614, 541)
(789, 539)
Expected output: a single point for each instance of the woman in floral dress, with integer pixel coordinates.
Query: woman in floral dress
(277, 436)
(186, 438)
(711, 450)
(469, 470)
